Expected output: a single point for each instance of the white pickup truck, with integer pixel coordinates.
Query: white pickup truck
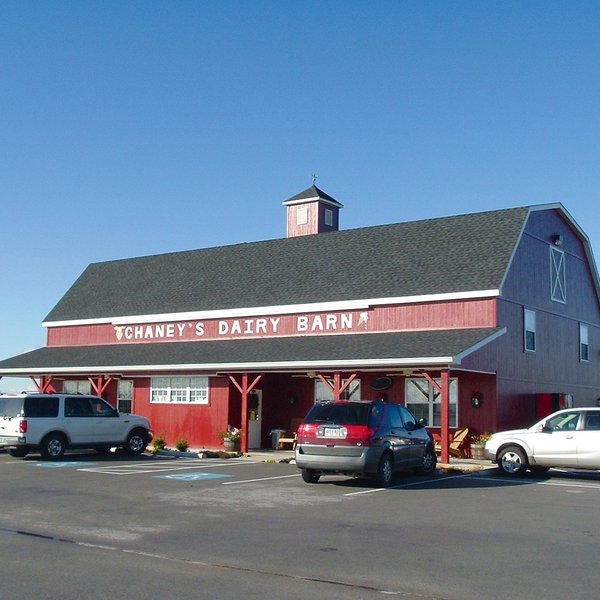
(53, 423)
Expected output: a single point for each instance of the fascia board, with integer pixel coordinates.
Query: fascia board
(278, 309)
(313, 199)
(248, 366)
(480, 344)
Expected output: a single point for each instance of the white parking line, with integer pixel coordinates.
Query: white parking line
(142, 468)
(513, 481)
(261, 479)
(551, 483)
(403, 485)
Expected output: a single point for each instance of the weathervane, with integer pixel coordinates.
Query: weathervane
(314, 178)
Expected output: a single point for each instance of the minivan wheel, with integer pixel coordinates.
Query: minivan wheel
(310, 476)
(136, 442)
(53, 446)
(512, 461)
(385, 471)
(19, 452)
(429, 462)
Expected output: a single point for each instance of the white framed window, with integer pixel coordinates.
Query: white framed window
(324, 393)
(425, 400)
(302, 215)
(558, 280)
(584, 347)
(328, 217)
(77, 387)
(124, 395)
(179, 390)
(529, 329)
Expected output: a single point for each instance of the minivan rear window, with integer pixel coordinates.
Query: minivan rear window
(351, 413)
(41, 407)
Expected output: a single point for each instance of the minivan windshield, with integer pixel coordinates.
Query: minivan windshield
(347, 413)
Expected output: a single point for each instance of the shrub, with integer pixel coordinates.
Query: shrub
(480, 440)
(182, 445)
(159, 443)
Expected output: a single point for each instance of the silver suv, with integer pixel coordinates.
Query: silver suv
(53, 423)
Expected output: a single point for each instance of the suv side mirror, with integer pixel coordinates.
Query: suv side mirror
(422, 422)
(545, 428)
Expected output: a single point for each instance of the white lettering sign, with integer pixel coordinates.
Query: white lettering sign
(259, 327)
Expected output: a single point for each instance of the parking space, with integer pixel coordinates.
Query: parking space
(248, 471)
(263, 518)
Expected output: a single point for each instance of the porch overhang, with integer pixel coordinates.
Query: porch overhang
(423, 349)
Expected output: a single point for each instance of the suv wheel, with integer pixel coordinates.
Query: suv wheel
(310, 476)
(137, 441)
(512, 461)
(429, 461)
(539, 470)
(385, 471)
(53, 446)
(19, 452)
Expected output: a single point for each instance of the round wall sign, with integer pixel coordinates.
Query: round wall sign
(382, 383)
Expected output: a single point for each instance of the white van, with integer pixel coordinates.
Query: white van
(53, 423)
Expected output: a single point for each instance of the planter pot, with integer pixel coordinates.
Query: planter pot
(232, 445)
(477, 452)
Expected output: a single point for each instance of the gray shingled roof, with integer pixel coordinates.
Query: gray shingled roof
(374, 349)
(444, 255)
(313, 192)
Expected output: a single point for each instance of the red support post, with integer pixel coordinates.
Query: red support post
(100, 385)
(45, 385)
(444, 390)
(337, 387)
(445, 417)
(244, 390)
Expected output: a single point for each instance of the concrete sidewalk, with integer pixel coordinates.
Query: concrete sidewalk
(455, 464)
(464, 465)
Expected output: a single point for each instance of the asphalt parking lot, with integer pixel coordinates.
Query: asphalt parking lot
(250, 528)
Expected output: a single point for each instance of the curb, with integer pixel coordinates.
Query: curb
(460, 468)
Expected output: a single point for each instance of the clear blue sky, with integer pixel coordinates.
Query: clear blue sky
(133, 127)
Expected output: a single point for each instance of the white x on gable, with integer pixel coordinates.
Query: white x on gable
(558, 281)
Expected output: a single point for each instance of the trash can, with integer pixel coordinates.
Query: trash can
(275, 435)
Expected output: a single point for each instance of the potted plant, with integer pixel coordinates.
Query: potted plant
(477, 445)
(231, 438)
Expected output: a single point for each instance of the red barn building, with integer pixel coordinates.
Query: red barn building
(483, 320)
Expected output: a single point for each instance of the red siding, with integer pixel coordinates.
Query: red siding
(458, 314)
(198, 424)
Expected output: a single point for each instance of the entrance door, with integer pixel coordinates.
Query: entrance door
(254, 419)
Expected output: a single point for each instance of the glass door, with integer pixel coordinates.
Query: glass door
(254, 419)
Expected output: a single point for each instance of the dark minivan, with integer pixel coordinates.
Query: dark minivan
(374, 439)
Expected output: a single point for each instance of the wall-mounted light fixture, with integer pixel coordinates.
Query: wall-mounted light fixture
(476, 399)
(557, 239)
